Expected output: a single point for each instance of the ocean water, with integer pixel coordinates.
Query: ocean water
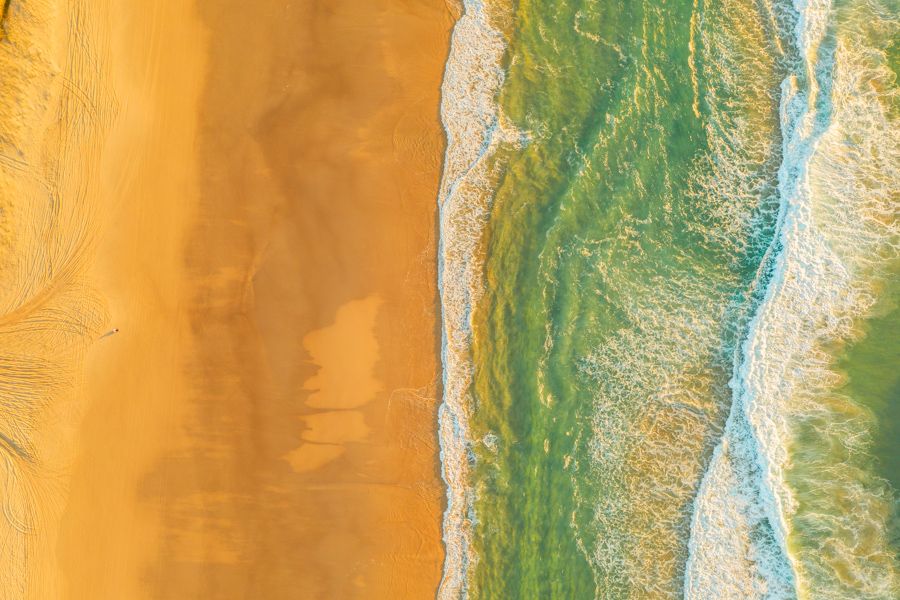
(671, 306)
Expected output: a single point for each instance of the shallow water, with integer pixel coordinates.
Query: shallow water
(678, 217)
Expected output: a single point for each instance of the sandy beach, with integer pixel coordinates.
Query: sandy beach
(249, 409)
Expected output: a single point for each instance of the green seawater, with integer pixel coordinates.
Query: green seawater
(871, 363)
(872, 368)
(619, 265)
(631, 239)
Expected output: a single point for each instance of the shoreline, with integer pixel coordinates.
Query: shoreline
(468, 90)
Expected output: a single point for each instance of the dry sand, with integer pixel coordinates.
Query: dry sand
(260, 205)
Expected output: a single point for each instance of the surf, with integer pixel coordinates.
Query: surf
(473, 128)
(815, 287)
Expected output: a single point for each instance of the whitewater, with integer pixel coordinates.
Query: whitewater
(473, 128)
(815, 281)
(747, 518)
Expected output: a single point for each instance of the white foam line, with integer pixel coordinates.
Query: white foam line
(474, 129)
(744, 487)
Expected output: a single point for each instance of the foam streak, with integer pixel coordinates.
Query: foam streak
(472, 122)
(740, 511)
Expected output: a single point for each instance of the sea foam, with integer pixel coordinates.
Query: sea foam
(474, 128)
(839, 164)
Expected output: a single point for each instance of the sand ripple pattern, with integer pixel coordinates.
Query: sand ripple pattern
(53, 108)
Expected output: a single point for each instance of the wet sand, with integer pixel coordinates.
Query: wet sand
(263, 237)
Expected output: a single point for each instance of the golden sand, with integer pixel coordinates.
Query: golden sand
(248, 196)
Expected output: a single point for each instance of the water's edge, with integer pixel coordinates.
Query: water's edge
(471, 122)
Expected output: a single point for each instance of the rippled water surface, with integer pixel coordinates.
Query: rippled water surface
(669, 278)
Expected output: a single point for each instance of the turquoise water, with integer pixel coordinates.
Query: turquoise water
(668, 276)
